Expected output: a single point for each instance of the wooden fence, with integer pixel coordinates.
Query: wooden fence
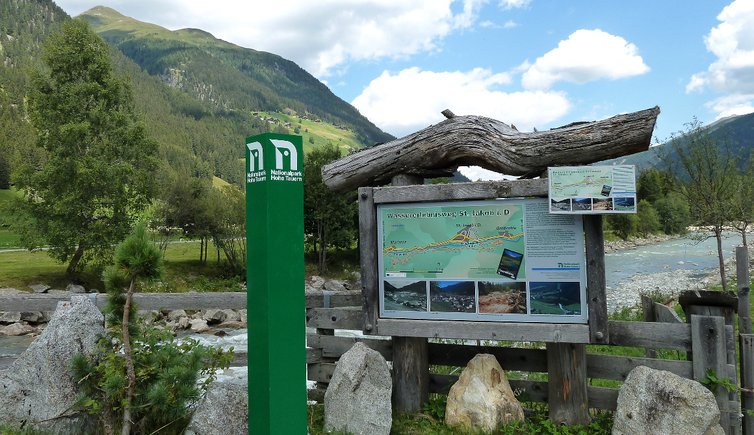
(336, 320)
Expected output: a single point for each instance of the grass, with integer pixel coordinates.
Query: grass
(536, 422)
(318, 132)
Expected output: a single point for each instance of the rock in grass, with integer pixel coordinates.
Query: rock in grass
(357, 399)
(482, 399)
(660, 402)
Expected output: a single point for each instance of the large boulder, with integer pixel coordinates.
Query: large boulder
(224, 408)
(482, 398)
(660, 402)
(357, 399)
(38, 390)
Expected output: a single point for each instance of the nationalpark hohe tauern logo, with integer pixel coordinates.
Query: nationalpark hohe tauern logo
(286, 167)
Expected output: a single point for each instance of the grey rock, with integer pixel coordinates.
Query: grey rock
(184, 323)
(242, 316)
(214, 316)
(335, 285)
(231, 315)
(34, 317)
(224, 408)
(357, 399)
(316, 282)
(37, 390)
(16, 329)
(40, 288)
(176, 314)
(199, 325)
(660, 402)
(8, 317)
(75, 288)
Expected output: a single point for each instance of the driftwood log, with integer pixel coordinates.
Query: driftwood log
(475, 140)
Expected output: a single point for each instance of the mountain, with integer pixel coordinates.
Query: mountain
(734, 133)
(226, 76)
(199, 108)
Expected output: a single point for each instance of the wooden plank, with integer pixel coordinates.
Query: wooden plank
(510, 358)
(28, 302)
(535, 391)
(335, 346)
(596, 292)
(317, 299)
(335, 318)
(557, 333)
(747, 382)
(567, 382)
(652, 335)
(410, 374)
(313, 355)
(708, 350)
(460, 191)
(618, 367)
(316, 395)
(734, 403)
(370, 285)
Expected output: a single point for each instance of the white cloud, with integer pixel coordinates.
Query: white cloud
(510, 24)
(586, 55)
(732, 42)
(412, 99)
(734, 104)
(320, 36)
(514, 4)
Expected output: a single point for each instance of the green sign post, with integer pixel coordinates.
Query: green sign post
(275, 280)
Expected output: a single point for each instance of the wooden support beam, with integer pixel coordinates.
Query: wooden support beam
(567, 383)
(596, 292)
(709, 354)
(747, 382)
(410, 374)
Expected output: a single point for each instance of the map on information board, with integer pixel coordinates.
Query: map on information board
(494, 260)
(479, 241)
(592, 189)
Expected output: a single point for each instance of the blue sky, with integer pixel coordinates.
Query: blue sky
(533, 63)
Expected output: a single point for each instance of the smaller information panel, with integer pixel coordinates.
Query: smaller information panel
(498, 260)
(592, 189)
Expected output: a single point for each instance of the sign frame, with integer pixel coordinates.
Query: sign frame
(596, 329)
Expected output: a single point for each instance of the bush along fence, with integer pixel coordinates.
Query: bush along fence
(707, 338)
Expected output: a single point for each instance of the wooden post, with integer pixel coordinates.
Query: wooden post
(410, 354)
(595, 279)
(747, 382)
(647, 306)
(742, 275)
(567, 383)
(746, 339)
(709, 353)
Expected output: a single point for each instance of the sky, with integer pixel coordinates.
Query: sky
(531, 63)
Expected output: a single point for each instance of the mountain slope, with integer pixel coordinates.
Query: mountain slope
(226, 76)
(734, 133)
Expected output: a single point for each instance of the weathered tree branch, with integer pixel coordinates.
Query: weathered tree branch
(491, 144)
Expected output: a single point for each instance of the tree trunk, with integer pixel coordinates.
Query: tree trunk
(128, 355)
(322, 249)
(474, 140)
(74, 263)
(720, 258)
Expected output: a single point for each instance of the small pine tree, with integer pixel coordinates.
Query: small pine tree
(160, 393)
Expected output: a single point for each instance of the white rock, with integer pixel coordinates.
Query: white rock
(16, 329)
(482, 399)
(199, 325)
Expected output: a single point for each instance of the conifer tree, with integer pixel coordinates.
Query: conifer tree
(98, 168)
